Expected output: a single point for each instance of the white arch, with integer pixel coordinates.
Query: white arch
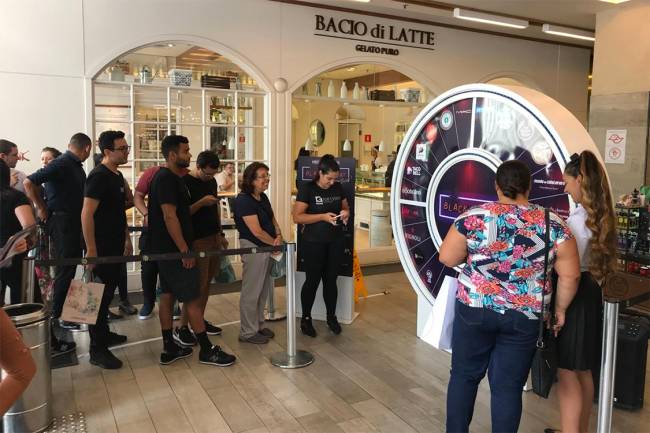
(413, 73)
(238, 58)
(524, 79)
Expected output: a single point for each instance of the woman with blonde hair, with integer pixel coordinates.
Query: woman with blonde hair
(579, 342)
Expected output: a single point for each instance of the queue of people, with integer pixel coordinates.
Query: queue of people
(504, 289)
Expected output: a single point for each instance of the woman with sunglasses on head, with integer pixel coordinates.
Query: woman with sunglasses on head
(322, 209)
(579, 342)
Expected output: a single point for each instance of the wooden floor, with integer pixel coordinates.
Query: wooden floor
(374, 377)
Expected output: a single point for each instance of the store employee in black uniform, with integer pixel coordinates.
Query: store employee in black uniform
(103, 221)
(321, 207)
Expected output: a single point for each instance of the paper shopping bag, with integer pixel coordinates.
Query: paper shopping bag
(443, 314)
(82, 302)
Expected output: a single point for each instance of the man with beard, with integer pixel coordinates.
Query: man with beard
(103, 221)
(170, 231)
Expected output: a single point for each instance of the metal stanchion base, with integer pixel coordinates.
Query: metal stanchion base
(283, 360)
(275, 315)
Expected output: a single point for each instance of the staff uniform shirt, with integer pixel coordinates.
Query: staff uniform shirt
(66, 179)
(206, 220)
(505, 261)
(167, 188)
(107, 187)
(321, 201)
(577, 222)
(10, 199)
(246, 205)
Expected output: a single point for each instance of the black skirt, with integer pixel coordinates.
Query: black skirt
(579, 342)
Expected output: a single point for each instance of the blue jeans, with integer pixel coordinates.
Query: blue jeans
(501, 344)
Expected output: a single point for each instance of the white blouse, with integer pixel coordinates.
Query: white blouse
(577, 222)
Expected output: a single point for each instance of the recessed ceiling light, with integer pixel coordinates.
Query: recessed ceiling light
(614, 1)
(568, 32)
(170, 45)
(351, 69)
(496, 20)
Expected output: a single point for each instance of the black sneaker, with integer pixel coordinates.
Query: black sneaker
(177, 311)
(113, 316)
(178, 352)
(216, 356)
(146, 311)
(126, 308)
(115, 339)
(104, 358)
(267, 332)
(184, 336)
(71, 326)
(61, 347)
(306, 327)
(212, 329)
(333, 324)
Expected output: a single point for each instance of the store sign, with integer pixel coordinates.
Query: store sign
(378, 38)
(615, 140)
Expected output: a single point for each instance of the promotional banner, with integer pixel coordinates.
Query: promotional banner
(307, 168)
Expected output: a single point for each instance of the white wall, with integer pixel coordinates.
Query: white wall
(52, 48)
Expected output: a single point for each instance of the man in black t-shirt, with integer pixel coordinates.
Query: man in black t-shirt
(103, 221)
(171, 231)
(208, 236)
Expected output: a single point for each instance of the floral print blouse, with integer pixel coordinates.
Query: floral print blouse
(505, 262)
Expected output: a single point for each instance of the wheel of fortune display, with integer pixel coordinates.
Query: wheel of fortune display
(448, 161)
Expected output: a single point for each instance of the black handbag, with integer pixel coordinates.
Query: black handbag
(544, 367)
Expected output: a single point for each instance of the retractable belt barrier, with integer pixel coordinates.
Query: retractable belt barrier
(293, 358)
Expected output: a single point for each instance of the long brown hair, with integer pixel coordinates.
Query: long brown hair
(597, 201)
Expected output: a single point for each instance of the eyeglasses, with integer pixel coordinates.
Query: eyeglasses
(122, 149)
(266, 176)
(208, 175)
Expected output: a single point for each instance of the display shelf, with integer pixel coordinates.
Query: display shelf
(196, 85)
(361, 101)
(633, 240)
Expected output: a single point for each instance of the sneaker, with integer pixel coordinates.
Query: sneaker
(255, 339)
(178, 352)
(184, 337)
(113, 316)
(126, 308)
(61, 347)
(177, 311)
(146, 311)
(306, 327)
(212, 329)
(115, 339)
(267, 332)
(69, 325)
(104, 358)
(333, 324)
(216, 356)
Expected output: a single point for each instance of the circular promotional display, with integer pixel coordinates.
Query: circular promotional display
(449, 157)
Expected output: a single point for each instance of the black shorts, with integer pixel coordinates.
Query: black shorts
(181, 282)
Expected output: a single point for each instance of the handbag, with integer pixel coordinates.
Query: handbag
(544, 367)
(444, 312)
(278, 266)
(82, 301)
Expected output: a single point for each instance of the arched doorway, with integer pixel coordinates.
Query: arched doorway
(364, 111)
(180, 88)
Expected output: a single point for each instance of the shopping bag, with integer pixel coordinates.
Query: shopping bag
(82, 301)
(443, 314)
(278, 265)
(226, 272)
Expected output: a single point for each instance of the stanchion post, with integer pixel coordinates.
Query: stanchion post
(28, 281)
(293, 358)
(607, 367)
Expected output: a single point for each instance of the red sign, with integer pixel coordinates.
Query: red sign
(367, 138)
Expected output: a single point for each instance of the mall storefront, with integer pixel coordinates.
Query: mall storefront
(284, 76)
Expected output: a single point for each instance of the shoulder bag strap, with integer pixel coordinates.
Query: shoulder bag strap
(540, 336)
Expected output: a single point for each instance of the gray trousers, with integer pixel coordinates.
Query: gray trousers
(255, 288)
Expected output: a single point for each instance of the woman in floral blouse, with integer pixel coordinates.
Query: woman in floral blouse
(501, 294)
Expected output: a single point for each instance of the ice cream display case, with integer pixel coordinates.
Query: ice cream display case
(447, 164)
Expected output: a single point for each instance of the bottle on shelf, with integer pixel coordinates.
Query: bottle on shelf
(330, 90)
(344, 90)
(355, 91)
